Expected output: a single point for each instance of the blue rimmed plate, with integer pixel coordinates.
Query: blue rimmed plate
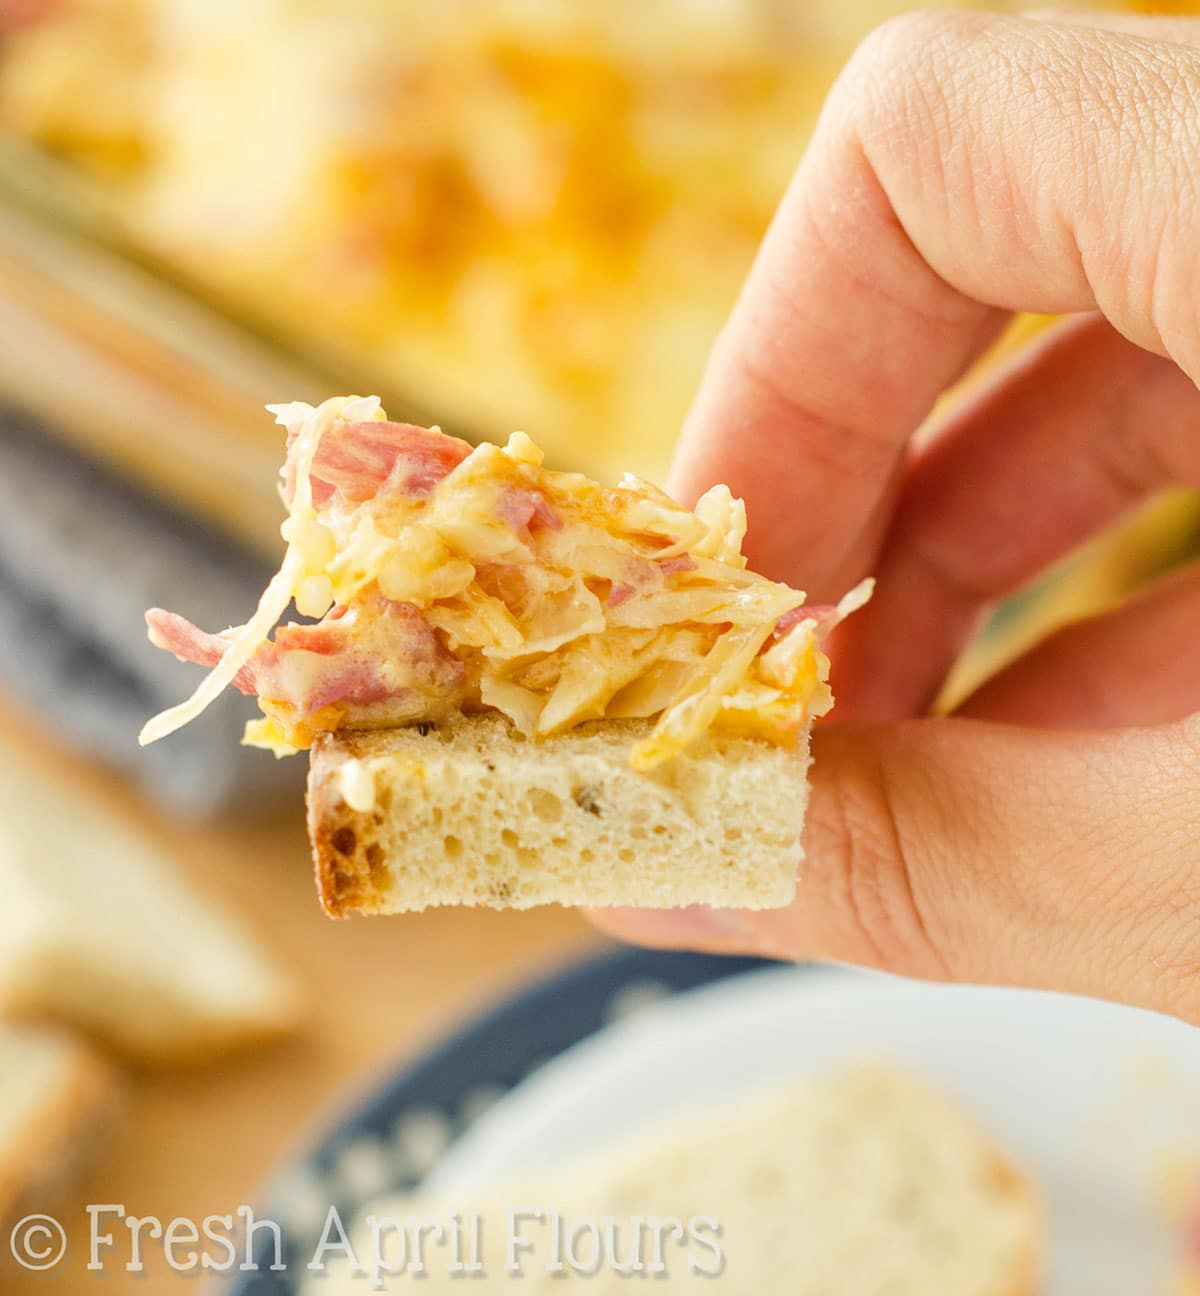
(394, 1137)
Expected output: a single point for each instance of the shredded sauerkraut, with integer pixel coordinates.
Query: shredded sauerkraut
(446, 578)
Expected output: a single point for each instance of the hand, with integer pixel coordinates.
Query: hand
(965, 167)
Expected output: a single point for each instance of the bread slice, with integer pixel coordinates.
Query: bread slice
(98, 929)
(472, 814)
(862, 1182)
(56, 1099)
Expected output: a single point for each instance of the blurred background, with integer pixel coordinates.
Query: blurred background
(493, 213)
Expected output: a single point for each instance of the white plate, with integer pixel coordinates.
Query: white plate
(1098, 1102)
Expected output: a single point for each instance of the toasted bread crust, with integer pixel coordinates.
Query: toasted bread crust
(341, 863)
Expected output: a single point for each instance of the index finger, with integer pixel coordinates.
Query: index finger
(965, 166)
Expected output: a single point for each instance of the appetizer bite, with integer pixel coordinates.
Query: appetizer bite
(520, 686)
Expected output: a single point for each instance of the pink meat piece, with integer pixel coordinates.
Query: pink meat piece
(336, 668)
(176, 634)
(523, 508)
(824, 614)
(359, 461)
(353, 681)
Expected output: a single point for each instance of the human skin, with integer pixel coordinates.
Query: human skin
(966, 167)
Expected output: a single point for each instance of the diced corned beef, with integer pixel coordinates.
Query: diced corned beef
(824, 614)
(189, 643)
(314, 666)
(523, 508)
(360, 461)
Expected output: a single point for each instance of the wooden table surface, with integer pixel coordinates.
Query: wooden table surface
(200, 1141)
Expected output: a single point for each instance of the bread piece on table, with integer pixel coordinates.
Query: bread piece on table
(862, 1182)
(56, 1097)
(99, 929)
(472, 814)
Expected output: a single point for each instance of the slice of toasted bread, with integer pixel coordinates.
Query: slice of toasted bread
(861, 1182)
(471, 813)
(56, 1097)
(99, 929)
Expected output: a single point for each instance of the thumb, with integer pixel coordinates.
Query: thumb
(958, 850)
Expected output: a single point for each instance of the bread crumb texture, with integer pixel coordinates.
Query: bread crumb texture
(471, 813)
